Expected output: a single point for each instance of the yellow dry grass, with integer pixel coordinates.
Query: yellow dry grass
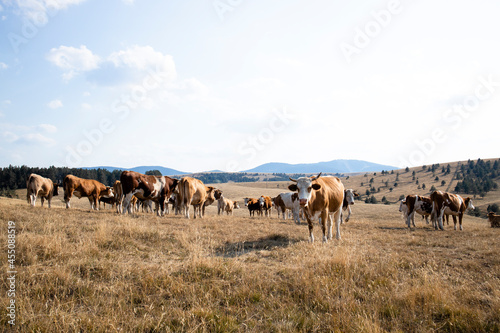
(97, 271)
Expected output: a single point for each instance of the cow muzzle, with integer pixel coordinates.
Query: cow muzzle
(303, 202)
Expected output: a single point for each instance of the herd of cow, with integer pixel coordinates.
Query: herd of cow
(322, 198)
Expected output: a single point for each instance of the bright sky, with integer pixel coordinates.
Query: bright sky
(199, 85)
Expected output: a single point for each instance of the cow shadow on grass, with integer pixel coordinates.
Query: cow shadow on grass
(236, 249)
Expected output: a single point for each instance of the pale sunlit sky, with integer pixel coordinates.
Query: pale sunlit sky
(199, 85)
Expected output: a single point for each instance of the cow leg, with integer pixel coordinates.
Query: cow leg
(324, 222)
(49, 199)
(348, 215)
(409, 219)
(42, 200)
(440, 218)
(460, 217)
(310, 226)
(33, 199)
(454, 222)
(202, 209)
(336, 216)
(67, 198)
(125, 205)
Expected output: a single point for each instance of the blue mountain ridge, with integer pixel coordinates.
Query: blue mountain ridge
(335, 166)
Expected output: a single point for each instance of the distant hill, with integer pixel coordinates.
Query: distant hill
(142, 169)
(335, 166)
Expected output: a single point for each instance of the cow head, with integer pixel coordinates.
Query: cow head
(349, 196)
(217, 194)
(468, 204)
(210, 193)
(108, 192)
(55, 191)
(401, 204)
(246, 201)
(235, 205)
(304, 186)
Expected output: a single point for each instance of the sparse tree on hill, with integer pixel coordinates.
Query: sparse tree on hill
(443, 182)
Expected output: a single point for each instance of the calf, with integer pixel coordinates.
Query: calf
(253, 206)
(449, 204)
(494, 220)
(37, 185)
(349, 196)
(230, 205)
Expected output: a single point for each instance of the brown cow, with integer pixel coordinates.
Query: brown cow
(42, 187)
(449, 204)
(90, 188)
(146, 187)
(417, 204)
(230, 205)
(192, 191)
(320, 197)
(494, 220)
(266, 204)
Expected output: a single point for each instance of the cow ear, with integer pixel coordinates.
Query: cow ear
(356, 194)
(316, 186)
(292, 187)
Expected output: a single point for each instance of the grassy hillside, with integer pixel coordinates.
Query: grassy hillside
(97, 271)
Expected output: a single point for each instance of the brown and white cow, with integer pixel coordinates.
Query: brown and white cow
(266, 204)
(193, 192)
(449, 204)
(90, 188)
(146, 187)
(253, 206)
(221, 205)
(494, 220)
(290, 201)
(320, 197)
(417, 204)
(45, 188)
(349, 196)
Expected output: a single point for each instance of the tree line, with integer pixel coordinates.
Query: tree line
(15, 177)
(478, 177)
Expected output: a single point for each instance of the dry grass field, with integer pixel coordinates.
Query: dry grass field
(83, 271)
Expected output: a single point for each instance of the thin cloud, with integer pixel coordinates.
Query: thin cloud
(55, 104)
(73, 60)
